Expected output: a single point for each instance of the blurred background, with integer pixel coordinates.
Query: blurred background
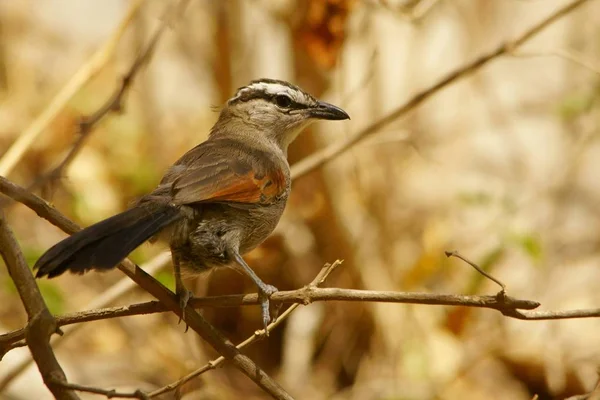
(502, 166)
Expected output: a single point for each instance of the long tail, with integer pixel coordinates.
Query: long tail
(103, 245)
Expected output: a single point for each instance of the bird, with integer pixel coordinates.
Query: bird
(216, 203)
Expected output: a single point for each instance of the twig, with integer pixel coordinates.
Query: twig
(319, 279)
(477, 267)
(115, 101)
(6, 344)
(327, 154)
(81, 77)
(41, 324)
(567, 54)
(109, 394)
(194, 320)
(551, 315)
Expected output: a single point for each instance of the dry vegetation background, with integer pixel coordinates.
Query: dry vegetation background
(502, 165)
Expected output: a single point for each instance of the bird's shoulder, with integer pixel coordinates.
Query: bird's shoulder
(228, 170)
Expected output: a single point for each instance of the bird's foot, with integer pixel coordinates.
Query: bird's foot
(184, 296)
(264, 294)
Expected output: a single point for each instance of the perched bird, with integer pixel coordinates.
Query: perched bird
(218, 201)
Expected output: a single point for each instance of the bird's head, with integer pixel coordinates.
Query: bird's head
(275, 109)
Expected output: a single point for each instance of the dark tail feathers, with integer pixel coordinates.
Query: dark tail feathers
(103, 245)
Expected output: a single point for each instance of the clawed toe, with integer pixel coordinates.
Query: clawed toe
(184, 298)
(264, 295)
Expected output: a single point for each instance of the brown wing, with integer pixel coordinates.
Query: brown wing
(227, 175)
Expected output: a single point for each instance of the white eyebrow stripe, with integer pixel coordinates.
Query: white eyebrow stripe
(276, 88)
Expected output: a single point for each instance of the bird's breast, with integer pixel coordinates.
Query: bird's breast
(260, 223)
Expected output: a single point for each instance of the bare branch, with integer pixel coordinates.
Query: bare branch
(115, 101)
(329, 153)
(306, 295)
(567, 54)
(81, 77)
(300, 296)
(477, 267)
(41, 324)
(110, 394)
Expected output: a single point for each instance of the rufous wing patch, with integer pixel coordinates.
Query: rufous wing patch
(232, 183)
(251, 188)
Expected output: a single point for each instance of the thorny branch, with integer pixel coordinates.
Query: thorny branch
(333, 151)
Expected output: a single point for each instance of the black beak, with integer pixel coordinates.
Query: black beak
(328, 111)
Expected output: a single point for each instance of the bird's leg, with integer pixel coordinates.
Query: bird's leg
(182, 292)
(264, 290)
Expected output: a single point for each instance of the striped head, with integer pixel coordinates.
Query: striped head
(276, 109)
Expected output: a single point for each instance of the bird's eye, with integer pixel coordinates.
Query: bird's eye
(283, 101)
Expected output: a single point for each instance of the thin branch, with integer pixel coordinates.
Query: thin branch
(115, 101)
(567, 54)
(194, 320)
(329, 153)
(109, 394)
(41, 324)
(319, 279)
(300, 296)
(7, 344)
(550, 315)
(81, 77)
(306, 295)
(477, 267)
